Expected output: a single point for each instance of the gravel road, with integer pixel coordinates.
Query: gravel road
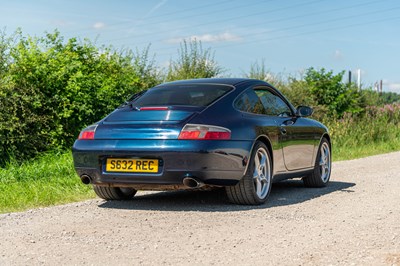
(353, 221)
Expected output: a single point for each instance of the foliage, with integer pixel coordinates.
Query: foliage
(389, 97)
(374, 131)
(50, 89)
(146, 69)
(258, 70)
(193, 62)
(328, 90)
(5, 43)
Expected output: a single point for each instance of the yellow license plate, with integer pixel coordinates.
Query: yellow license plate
(132, 165)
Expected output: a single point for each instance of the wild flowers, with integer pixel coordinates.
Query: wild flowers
(376, 124)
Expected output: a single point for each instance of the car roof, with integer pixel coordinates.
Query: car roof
(221, 81)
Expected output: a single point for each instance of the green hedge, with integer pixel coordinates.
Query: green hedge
(50, 89)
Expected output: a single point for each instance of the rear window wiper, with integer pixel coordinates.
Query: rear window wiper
(132, 98)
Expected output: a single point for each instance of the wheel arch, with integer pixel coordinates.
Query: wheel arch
(320, 178)
(264, 139)
(326, 135)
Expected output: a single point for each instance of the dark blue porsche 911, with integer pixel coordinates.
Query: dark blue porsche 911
(241, 134)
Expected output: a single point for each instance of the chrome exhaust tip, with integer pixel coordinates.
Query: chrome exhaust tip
(86, 179)
(192, 182)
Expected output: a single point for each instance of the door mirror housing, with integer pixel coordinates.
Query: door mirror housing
(304, 111)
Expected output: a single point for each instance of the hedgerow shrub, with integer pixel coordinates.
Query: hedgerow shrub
(329, 90)
(50, 88)
(193, 62)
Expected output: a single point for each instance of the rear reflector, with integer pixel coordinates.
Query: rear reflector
(153, 108)
(204, 132)
(88, 133)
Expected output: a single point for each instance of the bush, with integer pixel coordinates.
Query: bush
(50, 89)
(193, 62)
(258, 70)
(328, 90)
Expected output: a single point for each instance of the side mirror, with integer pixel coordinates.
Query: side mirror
(304, 111)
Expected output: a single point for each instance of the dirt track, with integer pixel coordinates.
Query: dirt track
(355, 220)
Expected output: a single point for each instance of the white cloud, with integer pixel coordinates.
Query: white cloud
(222, 37)
(99, 25)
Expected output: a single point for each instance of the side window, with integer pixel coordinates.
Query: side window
(273, 104)
(249, 102)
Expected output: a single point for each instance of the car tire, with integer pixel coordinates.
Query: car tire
(323, 165)
(114, 193)
(255, 186)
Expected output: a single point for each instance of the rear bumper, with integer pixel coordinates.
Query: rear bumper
(212, 162)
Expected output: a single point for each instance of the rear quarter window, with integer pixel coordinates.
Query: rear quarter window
(262, 101)
(250, 103)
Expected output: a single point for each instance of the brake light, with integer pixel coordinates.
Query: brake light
(88, 133)
(204, 132)
(153, 108)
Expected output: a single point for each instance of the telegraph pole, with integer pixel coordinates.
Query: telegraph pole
(349, 78)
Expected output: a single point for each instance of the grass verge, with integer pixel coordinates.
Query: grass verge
(342, 153)
(45, 181)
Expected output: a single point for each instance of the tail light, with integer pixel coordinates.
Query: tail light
(88, 133)
(204, 132)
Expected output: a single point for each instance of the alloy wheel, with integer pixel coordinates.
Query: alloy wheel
(262, 173)
(325, 162)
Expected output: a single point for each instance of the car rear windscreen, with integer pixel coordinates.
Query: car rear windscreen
(190, 95)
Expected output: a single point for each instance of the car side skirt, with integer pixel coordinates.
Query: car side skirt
(289, 175)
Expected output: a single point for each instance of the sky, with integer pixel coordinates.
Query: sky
(288, 36)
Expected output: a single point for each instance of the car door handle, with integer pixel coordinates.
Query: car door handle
(287, 123)
(283, 126)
